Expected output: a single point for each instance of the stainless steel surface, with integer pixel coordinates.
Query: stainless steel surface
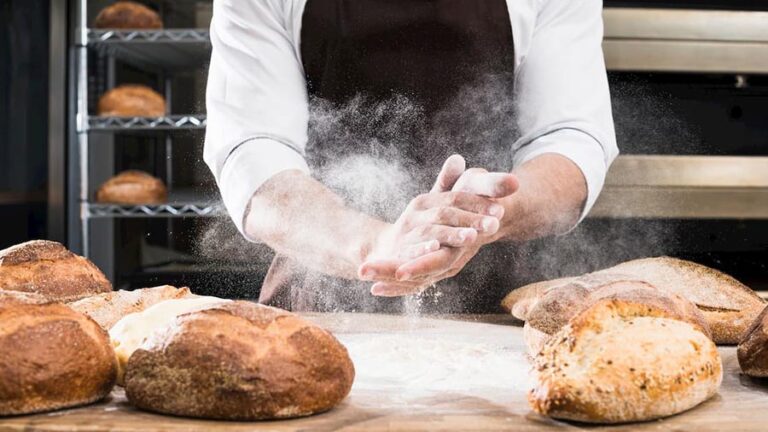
(173, 49)
(677, 40)
(685, 187)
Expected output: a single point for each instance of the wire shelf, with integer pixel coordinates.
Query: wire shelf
(93, 210)
(173, 49)
(173, 122)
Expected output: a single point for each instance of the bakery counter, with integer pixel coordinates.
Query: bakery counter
(427, 373)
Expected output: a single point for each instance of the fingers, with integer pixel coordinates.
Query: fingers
(386, 289)
(461, 200)
(414, 251)
(451, 171)
(379, 270)
(452, 217)
(431, 263)
(442, 235)
(493, 185)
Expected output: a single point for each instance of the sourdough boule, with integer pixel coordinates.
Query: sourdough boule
(51, 357)
(239, 361)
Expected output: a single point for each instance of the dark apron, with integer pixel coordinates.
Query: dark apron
(416, 81)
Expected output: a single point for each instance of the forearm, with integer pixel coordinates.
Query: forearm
(550, 199)
(299, 217)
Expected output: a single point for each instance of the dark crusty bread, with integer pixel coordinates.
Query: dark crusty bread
(555, 309)
(753, 348)
(728, 306)
(50, 270)
(239, 361)
(131, 100)
(128, 15)
(132, 187)
(108, 308)
(51, 357)
(620, 361)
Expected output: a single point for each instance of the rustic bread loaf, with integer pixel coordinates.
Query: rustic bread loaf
(22, 297)
(51, 357)
(108, 308)
(728, 306)
(239, 361)
(132, 187)
(620, 361)
(131, 100)
(753, 348)
(128, 15)
(561, 304)
(48, 269)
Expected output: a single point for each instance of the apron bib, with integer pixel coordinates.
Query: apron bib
(451, 63)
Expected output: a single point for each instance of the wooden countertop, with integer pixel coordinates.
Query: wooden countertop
(427, 373)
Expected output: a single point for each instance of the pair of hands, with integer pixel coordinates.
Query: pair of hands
(439, 232)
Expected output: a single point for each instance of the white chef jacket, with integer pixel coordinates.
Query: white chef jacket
(257, 100)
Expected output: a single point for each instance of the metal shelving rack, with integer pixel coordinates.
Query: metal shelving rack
(164, 51)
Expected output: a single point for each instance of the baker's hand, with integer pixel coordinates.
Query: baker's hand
(420, 264)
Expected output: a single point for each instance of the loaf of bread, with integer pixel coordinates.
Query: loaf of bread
(48, 269)
(728, 306)
(51, 357)
(556, 308)
(131, 100)
(22, 297)
(620, 361)
(128, 15)
(132, 187)
(753, 348)
(109, 308)
(238, 361)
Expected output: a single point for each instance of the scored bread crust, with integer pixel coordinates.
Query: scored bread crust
(520, 301)
(727, 305)
(752, 352)
(239, 361)
(132, 100)
(48, 269)
(620, 362)
(132, 187)
(128, 15)
(108, 308)
(51, 357)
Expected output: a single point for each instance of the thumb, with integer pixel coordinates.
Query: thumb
(452, 169)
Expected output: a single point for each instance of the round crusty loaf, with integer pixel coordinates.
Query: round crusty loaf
(51, 357)
(128, 15)
(48, 269)
(620, 361)
(132, 100)
(753, 348)
(132, 187)
(239, 361)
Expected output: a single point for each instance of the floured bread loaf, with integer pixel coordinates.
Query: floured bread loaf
(132, 187)
(48, 269)
(108, 308)
(239, 361)
(51, 357)
(620, 361)
(128, 15)
(728, 306)
(22, 297)
(132, 100)
(753, 348)
(130, 331)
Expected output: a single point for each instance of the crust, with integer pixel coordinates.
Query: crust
(260, 363)
(132, 187)
(520, 301)
(753, 348)
(48, 269)
(108, 308)
(128, 15)
(132, 100)
(52, 358)
(622, 362)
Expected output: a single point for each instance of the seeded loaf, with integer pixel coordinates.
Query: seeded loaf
(46, 268)
(620, 361)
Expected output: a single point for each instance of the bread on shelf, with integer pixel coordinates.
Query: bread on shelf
(132, 100)
(48, 269)
(51, 358)
(269, 363)
(132, 187)
(128, 15)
